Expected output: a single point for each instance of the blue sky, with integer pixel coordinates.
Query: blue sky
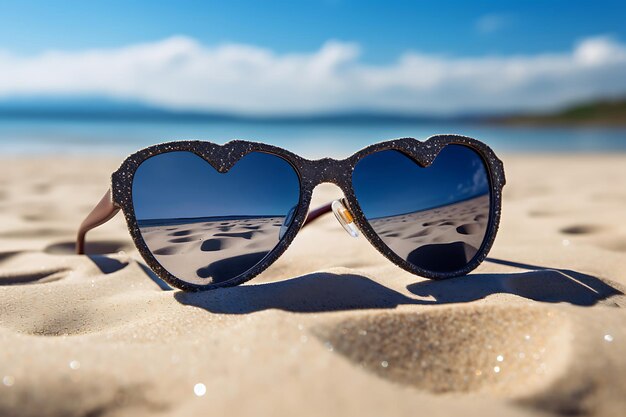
(179, 185)
(389, 183)
(384, 29)
(302, 57)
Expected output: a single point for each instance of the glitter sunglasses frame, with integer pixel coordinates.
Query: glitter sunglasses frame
(311, 173)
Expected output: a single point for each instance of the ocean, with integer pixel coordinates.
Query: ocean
(310, 140)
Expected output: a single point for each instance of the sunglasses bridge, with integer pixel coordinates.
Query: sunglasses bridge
(324, 171)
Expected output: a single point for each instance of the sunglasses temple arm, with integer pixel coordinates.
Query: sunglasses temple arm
(102, 213)
(317, 212)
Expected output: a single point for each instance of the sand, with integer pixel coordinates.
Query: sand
(212, 250)
(439, 239)
(205, 251)
(332, 328)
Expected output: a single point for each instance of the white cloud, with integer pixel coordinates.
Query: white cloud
(181, 73)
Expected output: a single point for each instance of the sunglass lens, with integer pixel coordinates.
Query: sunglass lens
(206, 227)
(435, 218)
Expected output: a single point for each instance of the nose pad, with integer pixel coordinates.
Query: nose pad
(344, 217)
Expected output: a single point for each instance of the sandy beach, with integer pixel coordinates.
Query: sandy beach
(441, 239)
(332, 328)
(211, 251)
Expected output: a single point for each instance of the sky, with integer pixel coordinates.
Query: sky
(282, 57)
(177, 185)
(389, 183)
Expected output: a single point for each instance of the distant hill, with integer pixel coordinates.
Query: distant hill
(97, 108)
(600, 112)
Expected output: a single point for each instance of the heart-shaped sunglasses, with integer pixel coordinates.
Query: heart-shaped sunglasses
(205, 216)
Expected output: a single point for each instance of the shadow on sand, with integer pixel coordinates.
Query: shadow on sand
(311, 293)
(321, 292)
(549, 285)
(109, 265)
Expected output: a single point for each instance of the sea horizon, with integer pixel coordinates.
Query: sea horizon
(312, 138)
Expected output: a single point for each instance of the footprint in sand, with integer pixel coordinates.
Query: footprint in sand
(185, 239)
(181, 233)
(245, 235)
(480, 218)
(211, 245)
(442, 256)
(168, 250)
(421, 233)
(7, 255)
(229, 267)
(448, 223)
(91, 247)
(469, 229)
(581, 229)
(456, 349)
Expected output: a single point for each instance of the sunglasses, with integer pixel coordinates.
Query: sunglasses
(205, 216)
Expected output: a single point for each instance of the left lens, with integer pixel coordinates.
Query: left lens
(435, 218)
(206, 227)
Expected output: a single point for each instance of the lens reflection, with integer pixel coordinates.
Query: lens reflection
(205, 227)
(435, 218)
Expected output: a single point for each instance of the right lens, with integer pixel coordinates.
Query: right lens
(206, 227)
(435, 218)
